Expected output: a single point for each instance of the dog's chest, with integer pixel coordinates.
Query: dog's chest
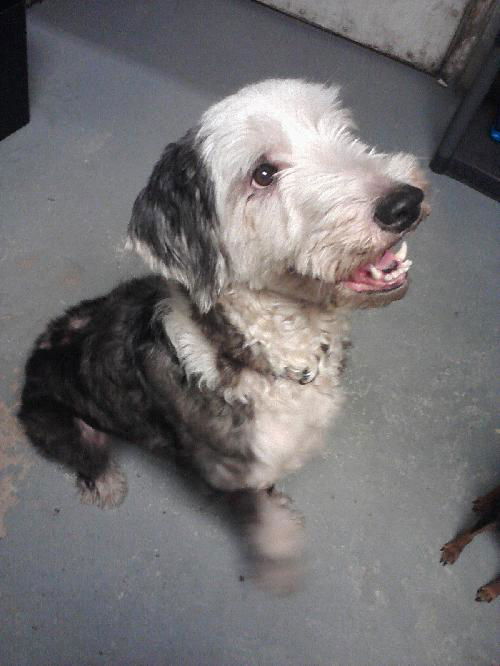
(305, 348)
(290, 422)
(287, 373)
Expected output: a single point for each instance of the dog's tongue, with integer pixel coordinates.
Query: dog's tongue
(362, 279)
(385, 261)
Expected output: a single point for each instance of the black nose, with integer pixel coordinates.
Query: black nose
(400, 208)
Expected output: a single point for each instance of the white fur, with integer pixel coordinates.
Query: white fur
(194, 351)
(287, 259)
(290, 418)
(290, 247)
(319, 215)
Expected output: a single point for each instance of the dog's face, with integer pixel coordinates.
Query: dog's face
(274, 185)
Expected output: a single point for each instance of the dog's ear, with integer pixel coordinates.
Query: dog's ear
(174, 225)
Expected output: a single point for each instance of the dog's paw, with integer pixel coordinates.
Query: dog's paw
(106, 492)
(487, 502)
(488, 592)
(450, 552)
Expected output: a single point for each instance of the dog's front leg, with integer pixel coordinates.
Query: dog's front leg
(275, 537)
(489, 592)
(451, 550)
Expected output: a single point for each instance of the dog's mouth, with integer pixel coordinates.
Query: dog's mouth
(387, 272)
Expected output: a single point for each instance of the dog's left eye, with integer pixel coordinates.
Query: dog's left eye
(263, 175)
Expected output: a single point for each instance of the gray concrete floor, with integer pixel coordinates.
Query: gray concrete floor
(157, 581)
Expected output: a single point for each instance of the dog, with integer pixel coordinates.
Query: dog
(489, 508)
(265, 226)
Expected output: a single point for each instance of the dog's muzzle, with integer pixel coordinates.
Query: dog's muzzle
(399, 209)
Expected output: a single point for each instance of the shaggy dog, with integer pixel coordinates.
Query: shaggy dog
(265, 225)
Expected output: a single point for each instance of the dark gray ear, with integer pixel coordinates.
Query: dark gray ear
(174, 226)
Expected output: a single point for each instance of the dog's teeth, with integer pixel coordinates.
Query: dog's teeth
(402, 267)
(397, 272)
(402, 252)
(375, 272)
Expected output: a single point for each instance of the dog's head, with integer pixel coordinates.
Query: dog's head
(273, 186)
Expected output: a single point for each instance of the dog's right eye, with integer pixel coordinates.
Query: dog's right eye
(263, 175)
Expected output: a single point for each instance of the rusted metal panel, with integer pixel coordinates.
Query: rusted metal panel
(416, 31)
(472, 40)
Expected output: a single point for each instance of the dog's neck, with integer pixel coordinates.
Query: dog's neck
(284, 332)
(261, 331)
(294, 288)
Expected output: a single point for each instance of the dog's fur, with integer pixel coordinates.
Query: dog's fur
(489, 508)
(235, 359)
